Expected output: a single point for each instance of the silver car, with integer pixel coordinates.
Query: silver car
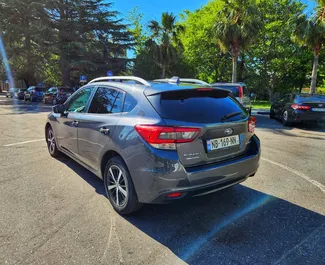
(155, 142)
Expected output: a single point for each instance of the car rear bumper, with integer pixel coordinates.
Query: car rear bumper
(298, 116)
(157, 177)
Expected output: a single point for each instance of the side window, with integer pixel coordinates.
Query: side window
(79, 102)
(106, 100)
(129, 103)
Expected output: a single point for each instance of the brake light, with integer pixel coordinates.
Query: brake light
(204, 89)
(162, 137)
(174, 195)
(251, 124)
(300, 107)
(240, 91)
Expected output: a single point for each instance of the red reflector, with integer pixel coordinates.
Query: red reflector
(174, 195)
(205, 89)
(163, 137)
(300, 107)
(251, 124)
(240, 91)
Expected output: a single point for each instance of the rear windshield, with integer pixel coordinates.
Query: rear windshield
(196, 106)
(311, 98)
(40, 89)
(233, 89)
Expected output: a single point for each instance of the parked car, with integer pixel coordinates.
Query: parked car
(20, 93)
(34, 93)
(56, 95)
(155, 143)
(11, 92)
(240, 91)
(297, 108)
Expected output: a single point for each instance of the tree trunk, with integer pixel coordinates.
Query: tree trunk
(314, 73)
(163, 71)
(234, 68)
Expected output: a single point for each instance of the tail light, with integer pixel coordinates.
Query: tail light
(240, 91)
(162, 137)
(174, 195)
(251, 124)
(300, 107)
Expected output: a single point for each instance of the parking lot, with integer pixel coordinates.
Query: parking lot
(55, 211)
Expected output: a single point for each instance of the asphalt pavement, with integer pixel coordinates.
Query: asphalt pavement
(53, 211)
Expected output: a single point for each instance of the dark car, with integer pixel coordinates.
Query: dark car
(56, 95)
(155, 143)
(297, 108)
(20, 93)
(34, 93)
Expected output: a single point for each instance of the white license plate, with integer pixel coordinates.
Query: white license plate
(318, 109)
(221, 143)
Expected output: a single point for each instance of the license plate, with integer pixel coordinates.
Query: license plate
(221, 143)
(318, 109)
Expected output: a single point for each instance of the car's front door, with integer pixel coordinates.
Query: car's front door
(97, 126)
(279, 105)
(67, 128)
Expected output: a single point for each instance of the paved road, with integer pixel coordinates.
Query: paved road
(55, 212)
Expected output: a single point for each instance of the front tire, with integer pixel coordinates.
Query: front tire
(285, 117)
(51, 142)
(119, 187)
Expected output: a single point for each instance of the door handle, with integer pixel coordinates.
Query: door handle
(104, 130)
(75, 123)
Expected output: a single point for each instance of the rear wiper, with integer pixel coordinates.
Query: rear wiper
(230, 115)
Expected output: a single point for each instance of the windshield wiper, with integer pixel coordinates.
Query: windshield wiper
(230, 115)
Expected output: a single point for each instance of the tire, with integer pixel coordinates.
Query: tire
(51, 143)
(285, 117)
(126, 201)
(272, 114)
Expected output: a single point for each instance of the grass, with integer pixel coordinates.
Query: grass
(261, 104)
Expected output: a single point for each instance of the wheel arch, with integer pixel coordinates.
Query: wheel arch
(106, 157)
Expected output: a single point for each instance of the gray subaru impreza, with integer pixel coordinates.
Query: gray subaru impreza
(155, 142)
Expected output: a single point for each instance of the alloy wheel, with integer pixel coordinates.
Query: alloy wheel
(51, 141)
(117, 186)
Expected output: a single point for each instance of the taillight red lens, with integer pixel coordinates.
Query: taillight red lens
(300, 107)
(240, 91)
(251, 124)
(174, 195)
(162, 137)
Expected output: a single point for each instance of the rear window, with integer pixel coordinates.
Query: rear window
(310, 98)
(233, 89)
(196, 106)
(40, 89)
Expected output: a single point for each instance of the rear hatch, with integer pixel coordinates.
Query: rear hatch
(223, 123)
(39, 92)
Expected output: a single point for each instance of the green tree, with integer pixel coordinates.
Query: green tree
(237, 27)
(164, 43)
(310, 32)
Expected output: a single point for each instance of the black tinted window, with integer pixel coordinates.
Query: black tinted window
(233, 89)
(196, 106)
(129, 103)
(79, 102)
(106, 100)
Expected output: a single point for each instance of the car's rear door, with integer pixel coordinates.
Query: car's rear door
(66, 129)
(220, 137)
(96, 127)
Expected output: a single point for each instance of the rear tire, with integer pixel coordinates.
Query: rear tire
(51, 143)
(272, 114)
(285, 117)
(119, 187)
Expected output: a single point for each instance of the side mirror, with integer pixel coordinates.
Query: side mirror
(60, 108)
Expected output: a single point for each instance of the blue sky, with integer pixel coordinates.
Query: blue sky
(152, 9)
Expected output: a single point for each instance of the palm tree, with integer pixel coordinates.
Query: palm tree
(311, 33)
(164, 42)
(237, 27)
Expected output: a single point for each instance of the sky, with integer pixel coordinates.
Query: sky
(152, 9)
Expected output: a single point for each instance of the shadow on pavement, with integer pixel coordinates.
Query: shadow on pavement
(238, 225)
(15, 106)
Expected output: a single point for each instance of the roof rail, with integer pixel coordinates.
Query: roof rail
(133, 78)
